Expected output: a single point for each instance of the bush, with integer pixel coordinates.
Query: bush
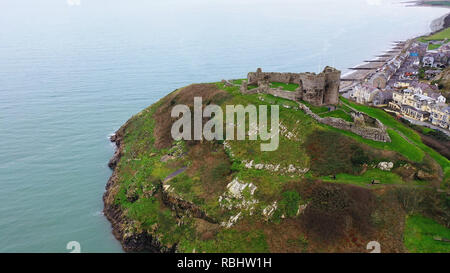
(359, 157)
(221, 170)
(333, 153)
(290, 202)
(335, 209)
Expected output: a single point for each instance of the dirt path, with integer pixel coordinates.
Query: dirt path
(175, 173)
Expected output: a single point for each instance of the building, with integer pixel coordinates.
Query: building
(367, 94)
(384, 74)
(440, 116)
(428, 61)
(419, 103)
(431, 73)
(414, 113)
(401, 85)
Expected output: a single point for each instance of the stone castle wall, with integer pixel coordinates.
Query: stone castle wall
(317, 89)
(283, 94)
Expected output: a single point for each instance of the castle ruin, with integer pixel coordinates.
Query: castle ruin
(317, 89)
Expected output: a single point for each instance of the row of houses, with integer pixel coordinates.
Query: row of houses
(381, 77)
(421, 102)
(416, 100)
(367, 94)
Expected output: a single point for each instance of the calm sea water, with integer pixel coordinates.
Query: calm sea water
(72, 74)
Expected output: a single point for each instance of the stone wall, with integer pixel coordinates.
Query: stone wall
(278, 92)
(285, 94)
(317, 89)
(377, 133)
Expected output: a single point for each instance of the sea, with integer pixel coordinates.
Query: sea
(73, 71)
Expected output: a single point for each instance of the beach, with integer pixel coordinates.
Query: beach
(363, 71)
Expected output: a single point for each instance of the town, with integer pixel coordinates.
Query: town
(408, 81)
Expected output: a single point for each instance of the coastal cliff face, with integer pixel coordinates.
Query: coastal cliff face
(131, 241)
(228, 196)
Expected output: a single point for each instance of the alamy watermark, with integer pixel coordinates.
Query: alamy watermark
(214, 128)
(74, 2)
(74, 246)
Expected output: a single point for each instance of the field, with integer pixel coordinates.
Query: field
(285, 86)
(385, 178)
(338, 114)
(441, 35)
(420, 235)
(433, 46)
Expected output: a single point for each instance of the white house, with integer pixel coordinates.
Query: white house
(441, 99)
(428, 61)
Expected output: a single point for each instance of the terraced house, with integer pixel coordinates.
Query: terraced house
(366, 94)
(421, 103)
(441, 116)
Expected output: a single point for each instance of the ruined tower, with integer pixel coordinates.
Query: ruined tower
(317, 89)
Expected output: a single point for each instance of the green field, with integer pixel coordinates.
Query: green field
(441, 35)
(385, 178)
(433, 46)
(338, 114)
(285, 86)
(238, 81)
(420, 233)
(315, 109)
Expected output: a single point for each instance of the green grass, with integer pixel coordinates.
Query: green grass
(433, 46)
(316, 109)
(338, 114)
(290, 151)
(441, 35)
(285, 86)
(385, 178)
(398, 144)
(229, 241)
(419, 233)
(426, 130)
(289, 203)
(238, 81)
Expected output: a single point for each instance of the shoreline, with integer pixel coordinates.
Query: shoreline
(365, 69)
(426, 3)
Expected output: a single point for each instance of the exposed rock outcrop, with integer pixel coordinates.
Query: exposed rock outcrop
(385, 166)
(183, 207)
